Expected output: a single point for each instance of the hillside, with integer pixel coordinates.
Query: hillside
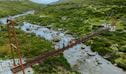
(79, 17)
(8, 8)
(75, 18)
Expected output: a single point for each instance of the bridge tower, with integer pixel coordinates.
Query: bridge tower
(14, 45)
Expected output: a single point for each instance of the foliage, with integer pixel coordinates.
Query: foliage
(30, 44)
(57, 65)
(8, 8)
(121, 62)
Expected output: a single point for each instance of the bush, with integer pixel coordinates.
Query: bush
(121, 62)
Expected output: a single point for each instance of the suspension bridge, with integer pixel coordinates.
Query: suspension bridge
(39, 59)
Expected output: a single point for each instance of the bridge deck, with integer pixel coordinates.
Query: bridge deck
(44, 56)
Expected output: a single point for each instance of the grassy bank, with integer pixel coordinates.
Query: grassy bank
(30, 44)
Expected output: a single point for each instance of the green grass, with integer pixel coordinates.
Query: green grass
(121, 62)
(30, 44)
(54, 65)
(15, 7)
